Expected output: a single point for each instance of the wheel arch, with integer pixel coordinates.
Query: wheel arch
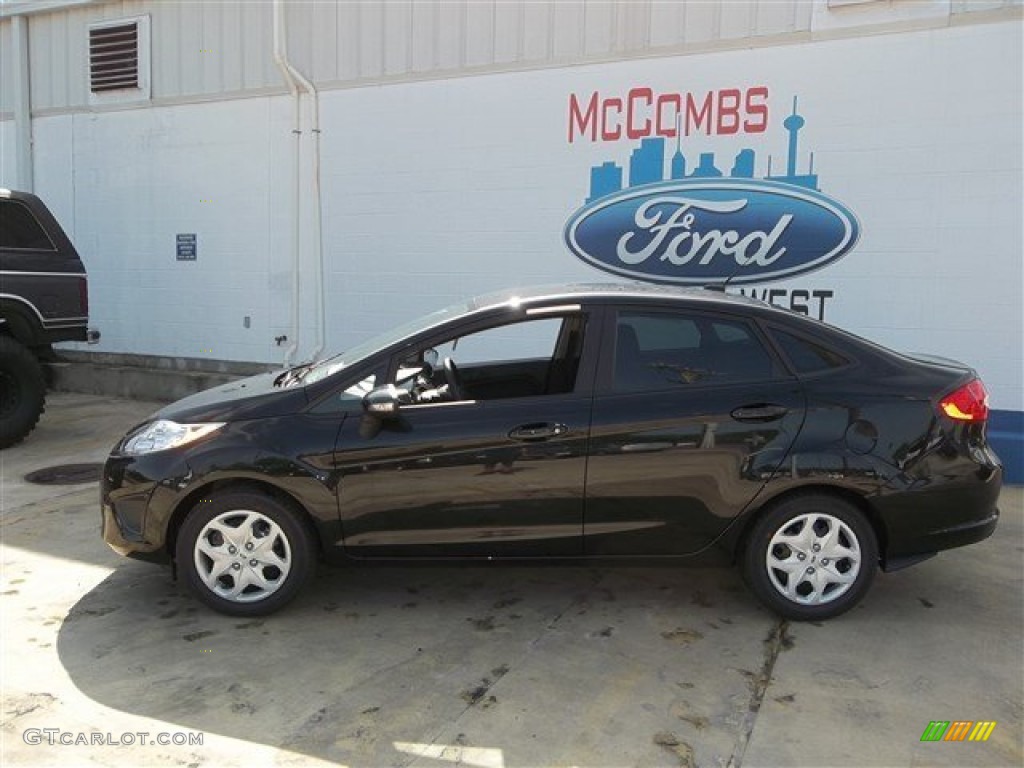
(855, 498)
(188, 502)
(21, 321)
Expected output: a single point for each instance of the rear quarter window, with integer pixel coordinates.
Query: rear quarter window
(807, 356)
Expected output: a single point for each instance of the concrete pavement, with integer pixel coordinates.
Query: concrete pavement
(483, 665)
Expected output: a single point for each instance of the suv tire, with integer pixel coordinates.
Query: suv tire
(22, 391)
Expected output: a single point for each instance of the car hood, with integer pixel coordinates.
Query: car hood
(249, 398)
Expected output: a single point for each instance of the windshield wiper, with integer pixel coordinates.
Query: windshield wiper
(297, 373)
(302, 374)
(292, 374)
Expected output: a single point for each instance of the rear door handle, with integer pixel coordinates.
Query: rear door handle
(538, 432)
(760, 412)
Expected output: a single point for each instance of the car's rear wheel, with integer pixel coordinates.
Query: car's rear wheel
(22, 391)
(244, 554)
(811, 557)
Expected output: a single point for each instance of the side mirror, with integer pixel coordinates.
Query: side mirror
(382, 402)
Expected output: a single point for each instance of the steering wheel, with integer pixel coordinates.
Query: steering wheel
(451, 377)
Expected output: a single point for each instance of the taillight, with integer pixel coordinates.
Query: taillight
(83, 296)
(969, 403)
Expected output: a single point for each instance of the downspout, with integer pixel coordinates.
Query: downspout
(281, 58)
(22, 105)
(318, 229)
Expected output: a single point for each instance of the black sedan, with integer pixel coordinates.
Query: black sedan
(585, 421)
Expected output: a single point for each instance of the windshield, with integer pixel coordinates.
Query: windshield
(331, 365)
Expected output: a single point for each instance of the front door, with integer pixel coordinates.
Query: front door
(487, 456)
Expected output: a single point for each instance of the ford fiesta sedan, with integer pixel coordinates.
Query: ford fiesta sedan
(589, 421)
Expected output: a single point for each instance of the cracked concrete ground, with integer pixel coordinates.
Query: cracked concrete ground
(482, 665)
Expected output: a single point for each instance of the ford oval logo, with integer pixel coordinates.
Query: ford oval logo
(697, 232)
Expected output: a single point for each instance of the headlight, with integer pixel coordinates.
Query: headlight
(161, 435)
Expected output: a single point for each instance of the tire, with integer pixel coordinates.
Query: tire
(811, 557)
(223, 537)
(22, 391)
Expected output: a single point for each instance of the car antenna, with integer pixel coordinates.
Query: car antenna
(720, 287)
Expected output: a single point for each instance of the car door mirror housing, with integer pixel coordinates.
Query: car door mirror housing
(383, 402)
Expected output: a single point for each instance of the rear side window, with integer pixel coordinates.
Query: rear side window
(657, 351)
(806, 356)
(656, 333)
(19, 229)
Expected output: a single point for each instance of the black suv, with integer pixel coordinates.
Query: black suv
(44, 298)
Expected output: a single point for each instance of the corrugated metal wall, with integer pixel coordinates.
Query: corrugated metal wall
(209, 49)
(6, 68)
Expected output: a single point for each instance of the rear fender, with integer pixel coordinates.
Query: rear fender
(855, 478)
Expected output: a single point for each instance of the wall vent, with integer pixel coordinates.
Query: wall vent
(114, 57)
(119, 60)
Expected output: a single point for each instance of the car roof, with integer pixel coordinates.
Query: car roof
(712, 297)
(641, 292)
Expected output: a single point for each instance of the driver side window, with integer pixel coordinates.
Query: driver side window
(524, 359)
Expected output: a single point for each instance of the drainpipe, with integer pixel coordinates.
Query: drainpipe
(293, 75)
(22, 104)
(281, 58)
(318, 228)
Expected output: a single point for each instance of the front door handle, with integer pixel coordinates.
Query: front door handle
(538, 432)
(760, 412)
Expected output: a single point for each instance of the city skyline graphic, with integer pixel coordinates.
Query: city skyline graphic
(647, 164)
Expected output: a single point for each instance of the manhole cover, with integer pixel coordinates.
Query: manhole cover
(66, 474)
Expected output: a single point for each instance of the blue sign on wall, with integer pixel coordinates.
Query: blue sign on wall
(706, 231)
(707, 227)
(188, 248)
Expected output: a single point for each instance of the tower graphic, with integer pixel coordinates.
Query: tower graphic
(706, 168)
(604, 179)
(792, 124)
(743, 167)
(678, 160)
(647, 163)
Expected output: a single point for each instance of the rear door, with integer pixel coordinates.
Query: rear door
(691, 417)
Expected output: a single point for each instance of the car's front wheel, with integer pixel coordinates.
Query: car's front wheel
(811, 557)
(244, 553)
